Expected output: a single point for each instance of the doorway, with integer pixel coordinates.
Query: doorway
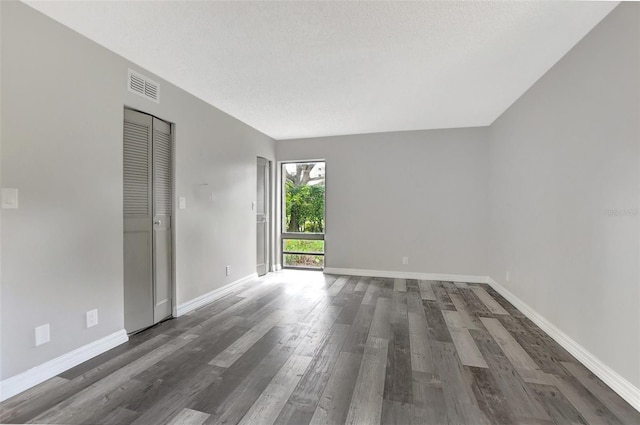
(148, 211)
(262, 216)
(303, 215)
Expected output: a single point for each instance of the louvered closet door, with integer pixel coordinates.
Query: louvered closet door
(147, 220)
(138, 263)
(162, 195)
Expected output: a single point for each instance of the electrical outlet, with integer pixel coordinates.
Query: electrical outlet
(405, 260)
(228, 270)
(92, 318)
(9, 198)
(43, 334)
(507, 276)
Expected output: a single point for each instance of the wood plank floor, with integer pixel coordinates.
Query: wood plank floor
(306, 348)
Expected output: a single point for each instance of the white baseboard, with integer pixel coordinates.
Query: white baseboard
(34, 376)
(276, 267)
(212, 296)
(406, 275)
(620, 385)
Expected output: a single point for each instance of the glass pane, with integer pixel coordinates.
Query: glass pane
(297, 245)
(304, 260)
(304, 197)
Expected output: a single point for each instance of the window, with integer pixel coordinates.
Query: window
(303, 223)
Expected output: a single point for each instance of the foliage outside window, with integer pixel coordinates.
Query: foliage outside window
(304, 189)
(304, 213)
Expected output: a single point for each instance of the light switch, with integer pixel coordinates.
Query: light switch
(9, 198)
(182, 202)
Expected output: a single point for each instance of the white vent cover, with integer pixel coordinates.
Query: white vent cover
(144, 86)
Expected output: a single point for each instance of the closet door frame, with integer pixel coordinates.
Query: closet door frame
(146, 295)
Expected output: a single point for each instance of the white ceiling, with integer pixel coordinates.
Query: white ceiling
(308, 69)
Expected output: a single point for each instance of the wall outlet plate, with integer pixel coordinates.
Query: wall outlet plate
(9, 198)
(405, 260)
(227, 270)
(92, 318)
(43, 334)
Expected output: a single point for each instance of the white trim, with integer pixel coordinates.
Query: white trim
(212, 296)
(406, 275)
(620, 385)
(34, 376)
(276, 267)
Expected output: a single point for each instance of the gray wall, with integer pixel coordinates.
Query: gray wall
(62, 110)
(560, 157)
(420, 194)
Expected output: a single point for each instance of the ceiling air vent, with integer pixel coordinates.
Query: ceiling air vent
(143, 86)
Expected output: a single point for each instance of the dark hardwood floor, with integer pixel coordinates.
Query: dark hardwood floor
(306, 348)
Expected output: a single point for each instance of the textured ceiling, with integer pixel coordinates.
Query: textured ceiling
(308, 69)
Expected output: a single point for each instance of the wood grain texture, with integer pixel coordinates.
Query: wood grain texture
(491, 400)
(559, 408)
(366, 402)
(516, 354)
(240, 346)
(337, 286)
(302, 348)
(380, 323)
(462, 406)
(189, 417)
(232, 402)
(75, 407)
(303, 401)
(590, 408)
(442, 296)
(372, 293)
(119, 416)
(268, 406)
(397, 384)
(421, 357)
(359, 330)
(467, 350)
(336, 397)
(611, 400)
(488, 300)
(400, 285)
(426, 290)
(428, 399)
(521, 398)
(464, 312)
(362, 285)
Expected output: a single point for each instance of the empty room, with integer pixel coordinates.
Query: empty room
(319, 212)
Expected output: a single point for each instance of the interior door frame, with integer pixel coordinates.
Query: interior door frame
(268, 182)
(174, 289)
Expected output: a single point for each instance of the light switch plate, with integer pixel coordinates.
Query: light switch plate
(9, 198)
(182, 202)
(42, 334)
